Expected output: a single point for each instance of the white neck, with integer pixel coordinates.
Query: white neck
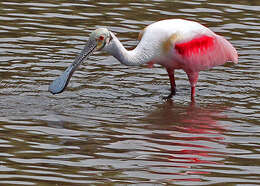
(135, 57)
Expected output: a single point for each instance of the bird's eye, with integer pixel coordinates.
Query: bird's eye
(101, 38)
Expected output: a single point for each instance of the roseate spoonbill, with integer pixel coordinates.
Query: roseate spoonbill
(172, 43)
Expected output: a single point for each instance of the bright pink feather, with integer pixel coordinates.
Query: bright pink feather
(196, 46)
(204, 52)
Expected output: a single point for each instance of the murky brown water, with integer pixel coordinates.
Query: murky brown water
(111, 125)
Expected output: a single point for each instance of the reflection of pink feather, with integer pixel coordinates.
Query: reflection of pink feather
(186, 136)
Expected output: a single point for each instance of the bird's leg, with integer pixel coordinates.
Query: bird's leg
(193, 78)
(192, 96)
(172, 82)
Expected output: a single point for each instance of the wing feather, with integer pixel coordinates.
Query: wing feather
(205, 51)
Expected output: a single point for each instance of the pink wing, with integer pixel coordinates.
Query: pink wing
(205, 51)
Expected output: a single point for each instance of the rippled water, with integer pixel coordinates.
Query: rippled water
(111, 124)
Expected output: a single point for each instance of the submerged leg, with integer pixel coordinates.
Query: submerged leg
(193, 78)
(192, 95)
(172, 82)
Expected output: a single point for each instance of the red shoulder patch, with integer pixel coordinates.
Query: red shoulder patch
(195, 46)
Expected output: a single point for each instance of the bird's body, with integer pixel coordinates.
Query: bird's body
(174, 44)
(177, 44)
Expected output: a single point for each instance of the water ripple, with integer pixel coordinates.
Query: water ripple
(111, 124)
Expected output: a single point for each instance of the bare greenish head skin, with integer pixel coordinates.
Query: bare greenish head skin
(101, 36)
(98, 39)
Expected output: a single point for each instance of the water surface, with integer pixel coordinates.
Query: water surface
(111, 124)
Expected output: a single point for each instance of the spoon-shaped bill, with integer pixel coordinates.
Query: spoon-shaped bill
(60, 83)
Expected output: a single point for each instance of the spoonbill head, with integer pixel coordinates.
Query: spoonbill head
(173, 43)
(97, 40)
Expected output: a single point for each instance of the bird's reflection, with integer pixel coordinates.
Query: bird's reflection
(186, 137)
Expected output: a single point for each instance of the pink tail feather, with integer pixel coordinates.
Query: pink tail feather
(229, 49)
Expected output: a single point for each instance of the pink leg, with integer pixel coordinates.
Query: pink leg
(193, 93)
(193, 78)
(172, 82)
